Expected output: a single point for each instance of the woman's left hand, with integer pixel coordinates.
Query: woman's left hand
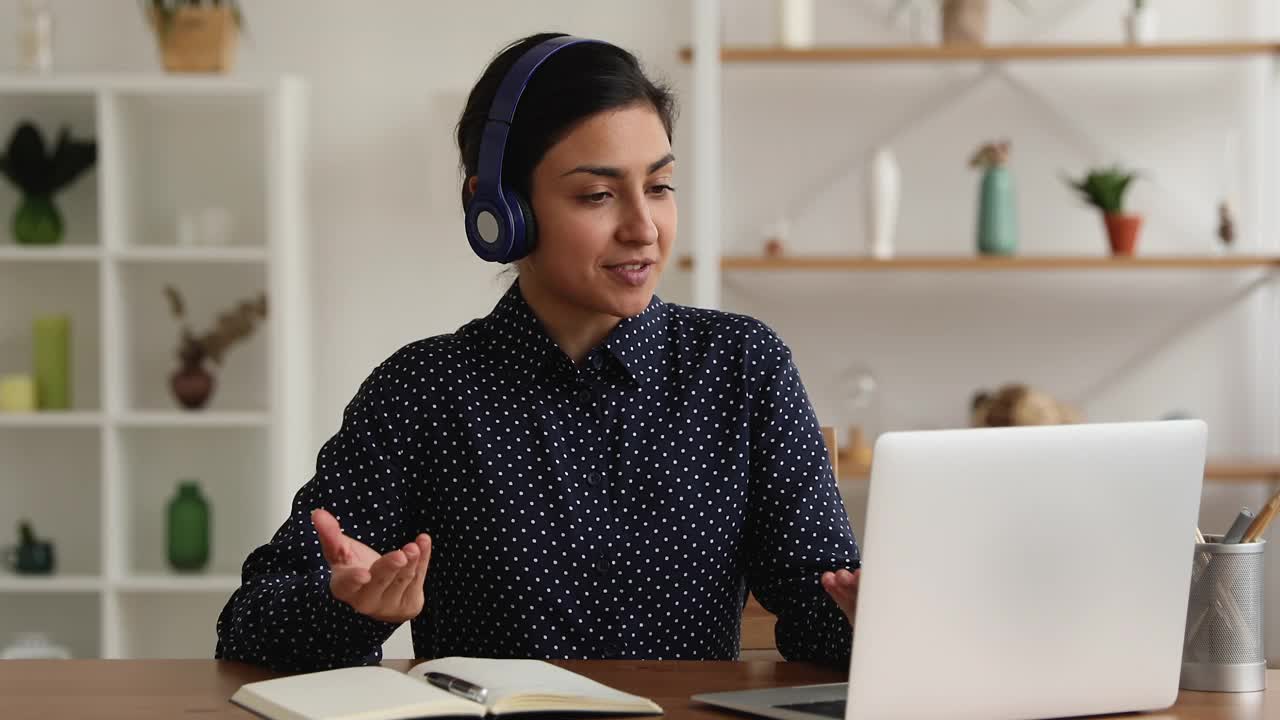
(842, 586)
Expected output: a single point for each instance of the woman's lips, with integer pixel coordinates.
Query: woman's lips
(631, 274)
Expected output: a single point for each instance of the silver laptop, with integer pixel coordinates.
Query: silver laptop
(1013, 573)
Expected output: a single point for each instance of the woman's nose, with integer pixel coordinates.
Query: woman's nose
(638, 226)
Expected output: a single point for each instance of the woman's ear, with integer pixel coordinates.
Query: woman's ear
(469, 190)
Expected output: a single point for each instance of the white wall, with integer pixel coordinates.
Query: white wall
(389, 78)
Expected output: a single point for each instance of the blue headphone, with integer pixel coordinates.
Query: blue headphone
(500, 224)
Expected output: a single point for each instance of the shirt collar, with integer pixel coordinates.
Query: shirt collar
(638, 342)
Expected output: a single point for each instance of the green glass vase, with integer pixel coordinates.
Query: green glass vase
(37, 221)
(997, 221)
(188, 528)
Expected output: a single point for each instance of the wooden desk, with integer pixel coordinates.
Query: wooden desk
(145, 689)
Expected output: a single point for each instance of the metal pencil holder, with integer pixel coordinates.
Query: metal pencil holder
(1222, 648)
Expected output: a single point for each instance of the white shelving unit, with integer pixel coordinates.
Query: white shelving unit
(96, 479)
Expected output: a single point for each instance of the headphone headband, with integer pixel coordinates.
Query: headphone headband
(495, 223)
(517, 78)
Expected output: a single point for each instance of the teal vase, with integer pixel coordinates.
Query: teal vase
(37, 222)
(997, 221)
(188, 528)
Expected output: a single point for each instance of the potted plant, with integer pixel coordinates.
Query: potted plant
(31, 556)
(1104, 188)
(192, 383)
(196, 36)
(39, 175)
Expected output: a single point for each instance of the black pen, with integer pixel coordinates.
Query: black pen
(457, 686)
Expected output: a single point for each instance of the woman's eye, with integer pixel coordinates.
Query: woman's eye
(596, 198)
(661, 189)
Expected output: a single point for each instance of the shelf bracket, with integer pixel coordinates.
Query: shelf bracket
(1167, 339)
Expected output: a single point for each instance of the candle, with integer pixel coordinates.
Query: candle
(52, 358)
(17, 394)
(795, 22)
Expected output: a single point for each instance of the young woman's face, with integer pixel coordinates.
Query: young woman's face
(606, 213)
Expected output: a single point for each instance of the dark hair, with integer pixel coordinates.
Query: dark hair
(570, 86)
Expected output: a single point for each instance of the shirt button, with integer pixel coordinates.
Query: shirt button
(612, 648)
(597, 361)
(585, 396)
(602, 565)
(593, 479)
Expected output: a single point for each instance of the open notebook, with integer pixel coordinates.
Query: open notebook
(378, 693)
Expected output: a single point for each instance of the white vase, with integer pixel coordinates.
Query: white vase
(884, 183)
(795, 23)
(1140, 26)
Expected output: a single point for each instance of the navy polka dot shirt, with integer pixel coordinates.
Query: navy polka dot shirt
(620, 508)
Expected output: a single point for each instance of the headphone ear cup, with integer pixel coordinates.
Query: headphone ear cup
(530, 226)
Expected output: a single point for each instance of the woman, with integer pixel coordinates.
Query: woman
(587, 472)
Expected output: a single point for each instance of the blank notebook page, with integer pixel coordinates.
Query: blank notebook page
(358, 692)
(505, 678)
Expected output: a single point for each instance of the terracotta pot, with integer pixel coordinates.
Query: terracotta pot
(192, 385)
(1122, 232)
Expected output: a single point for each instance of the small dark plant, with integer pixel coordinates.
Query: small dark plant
(1105, 188)
(231, 326)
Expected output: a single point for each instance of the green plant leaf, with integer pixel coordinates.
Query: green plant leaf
(7, 172)
(1104, 188)
(25, 160)
(70, 159)
(36, 171)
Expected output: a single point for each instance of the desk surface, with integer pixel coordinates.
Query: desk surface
(145, 689)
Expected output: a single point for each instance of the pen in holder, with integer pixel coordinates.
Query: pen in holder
(1222, 649)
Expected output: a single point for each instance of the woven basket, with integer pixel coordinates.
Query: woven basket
(964, 22)
(197, 39)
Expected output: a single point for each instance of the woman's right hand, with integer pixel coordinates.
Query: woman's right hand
(384, 587)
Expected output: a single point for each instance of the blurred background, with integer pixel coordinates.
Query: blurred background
(219, 218)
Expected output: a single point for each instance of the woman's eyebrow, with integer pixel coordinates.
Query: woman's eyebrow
(615, 172)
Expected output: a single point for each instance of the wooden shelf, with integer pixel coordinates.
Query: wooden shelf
(1216, 471)
(938, 53)
(1242, 470)
(972, 263)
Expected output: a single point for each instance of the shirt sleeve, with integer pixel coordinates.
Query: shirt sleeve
(797, 526)
(283, 615)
